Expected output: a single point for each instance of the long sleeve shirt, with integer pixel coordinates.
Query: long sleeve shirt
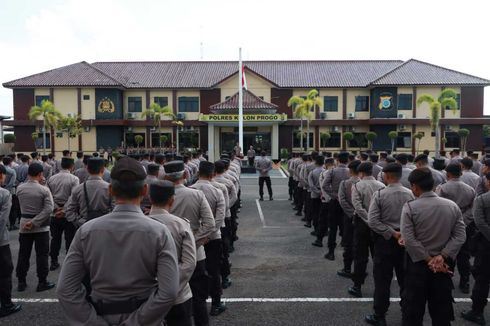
(431, 226)
(333, 178)
(386, 208)
(481, 213)
(216, 202)
(345, 196)
(460, 193)
(232, 191)
(314, 182)
(61, 186)
(5, 205)
(362, 193)
(35, 200)
(470, 178)
(10, 179)
(143, 253)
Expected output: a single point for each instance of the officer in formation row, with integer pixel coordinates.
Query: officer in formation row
(196, 200)
(416, 216)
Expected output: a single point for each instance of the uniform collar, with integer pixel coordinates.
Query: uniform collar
(368, 178)
(127, 208)
(158, 211)
(94, 177)
(395, 185)
(454, 180)
(64, 171)
(428, 194)
(203, 181)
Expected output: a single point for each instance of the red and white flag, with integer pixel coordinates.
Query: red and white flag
(244, 79)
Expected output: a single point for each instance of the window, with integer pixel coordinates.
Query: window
(333, 141)
(188, 104)
(404, 101)
(134, 104)
(297, 139)
(452, 139)
(38, 143)
(458, 102)
(40, 98)
(189, 139)
(404, 140)
(330, 103)
(86, 97)
(359, 140)
(362, 103)
(161, 100)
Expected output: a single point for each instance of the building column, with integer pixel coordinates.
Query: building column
(211, 156)
(275, 142)
(217, 134)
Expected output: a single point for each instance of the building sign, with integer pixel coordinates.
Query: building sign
(246, 117)
(106, 106)
(385, 101)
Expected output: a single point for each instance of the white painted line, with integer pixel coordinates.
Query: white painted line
(282, 173)
(261, 215)
(278, 300)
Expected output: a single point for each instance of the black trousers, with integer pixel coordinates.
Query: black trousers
(307, 205)
(388, 256)
(226, 241)
(316, 204)
(214, 253)
(267, 180)
(291, 187)
(199, 286)
(180, 314)
(424, 286)
(233, 221)
(300, 198)
(323, 221)
(40, 241)
(251, 161)
(363, 244)
(335, 222)
(481, 273)
(348, 242)
(59, 226)
(295, 192)
(464, 255)
(14, 211)
(6, 268)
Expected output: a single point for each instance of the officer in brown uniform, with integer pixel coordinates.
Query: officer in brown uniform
(140, 249)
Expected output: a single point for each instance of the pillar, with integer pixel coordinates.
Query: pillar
(211, 138)
(217, 142)
(275, 142)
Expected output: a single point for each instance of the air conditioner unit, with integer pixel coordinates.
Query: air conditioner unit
(323, 115)
(335, 129)
(448, 128)
(129, 130)
(71, 115)
(401, 127)
(181, 116)
(401, 116)
(131, 115)
(351, 115)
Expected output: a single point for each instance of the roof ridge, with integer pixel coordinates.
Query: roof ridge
(103, 73)
(389, 72)
(245, 61)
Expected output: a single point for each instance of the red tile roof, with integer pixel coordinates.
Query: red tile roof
(252, 104)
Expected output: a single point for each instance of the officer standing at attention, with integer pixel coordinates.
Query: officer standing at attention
(315, 191)
(61, 186)
(82, 173)
(7, 307)
(362, 194)
(432, 231)
(79, 161)
(192, 205)
(422, 161)
(264, 165)
(384, 219)
(36, 206)
(48, 169)
(152, 170)
(214, 248)
(162, 197)
(468, 176)
(463, 195)
(480, 189)
(90, 199)
(130, 258)
(251, 156)
(481, 266)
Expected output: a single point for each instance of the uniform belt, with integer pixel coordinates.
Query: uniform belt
(117, 307)
(28, 215)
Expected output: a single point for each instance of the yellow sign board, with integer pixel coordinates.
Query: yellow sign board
(246, 117)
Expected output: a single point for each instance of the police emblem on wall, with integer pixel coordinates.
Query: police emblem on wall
(385, 101)
(106, 106)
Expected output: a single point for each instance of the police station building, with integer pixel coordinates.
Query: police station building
(357, 96)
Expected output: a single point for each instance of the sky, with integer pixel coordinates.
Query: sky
(36, 35)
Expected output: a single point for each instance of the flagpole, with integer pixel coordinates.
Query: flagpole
(240, 101)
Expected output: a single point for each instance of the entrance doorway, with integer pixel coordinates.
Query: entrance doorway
(259, 140)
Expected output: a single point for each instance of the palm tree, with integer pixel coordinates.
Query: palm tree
(393, 135)
(463, 135)
(419, 137)
(156, 112)
(447, 99)
(49, 114)
(370, 137)
(71, 125)
(348, 136)
(324, 136)
(300, 110)
(311, 102)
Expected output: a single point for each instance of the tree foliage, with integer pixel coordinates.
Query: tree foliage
(9, 138)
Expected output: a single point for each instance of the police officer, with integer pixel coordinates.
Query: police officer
(152, 170)
(335, 216)
(140, 249)
(301, 185)
(48, 169)
(310, 166)
(79, 161)
(263, 165)
(362, 193)
(345, 201)
(376, 167)
(322, 227)
(192, 205)
(10, 183)
(90, 199)
(7, 307)
(481, 188)
(161, 194)
(384, 219)
(315, 190)
(214, 248)
(422, 161)
(463, 195)
(221, 177)
(433, 231)
(468, 176)
(36, 206)
(82, 173)
(22, 169)
(61, 186)
(481, 266)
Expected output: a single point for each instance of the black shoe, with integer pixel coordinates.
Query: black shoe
(375, 320)
(10, 309)
(217, 309)
(54, 266)
(299, 214)
(261, 198)
(44, 286)
(235, 238)
(13, 228)
(355, 291)
(290, 198)
(464, 287)
(308, 224)
(330, 255)
(303, 219)
(317, 243)
(226, 283)
(473, 316)
(313, 233)
(344, 273)
(271, 199)
(21, 287)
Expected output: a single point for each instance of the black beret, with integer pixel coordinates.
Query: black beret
(3, 170)
(374, 157)
(343, 155)
(127, 169)
(161, 191)
(174, 166)
(439, 163)
(35, 169)
(304, 157)
(34, 154)
(95, 163)
(402, 156)
(206, 167)
(153, 168)
(393, 168)
(223, 156)
(421, 157)
(454, 169)
(169, 156)
(67, 160)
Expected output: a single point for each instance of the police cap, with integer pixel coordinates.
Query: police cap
(153, 168)
(174, 166)
(128, 169)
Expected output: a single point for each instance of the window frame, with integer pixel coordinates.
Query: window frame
(156, 99)
(132, 104)
(42, 98)
(400, 96)
(358, 107)
(329, 99)
(187, 100)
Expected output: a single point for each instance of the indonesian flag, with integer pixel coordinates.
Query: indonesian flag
(244, 79)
